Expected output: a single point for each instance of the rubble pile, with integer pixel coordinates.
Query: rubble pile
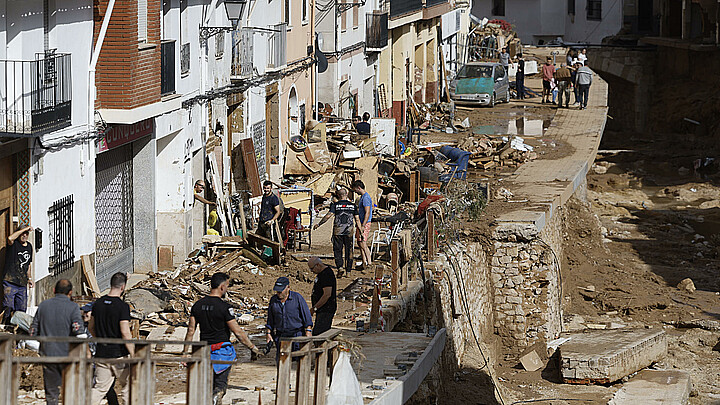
(487, 152)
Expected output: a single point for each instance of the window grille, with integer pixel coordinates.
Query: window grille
(60, 216)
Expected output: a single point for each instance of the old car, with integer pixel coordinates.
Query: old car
(481, 83)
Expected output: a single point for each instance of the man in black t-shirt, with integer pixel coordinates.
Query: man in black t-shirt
(216, 322)
(346, 221)
(270, 212)
(17, 277)
(111, 319)
(324, 297)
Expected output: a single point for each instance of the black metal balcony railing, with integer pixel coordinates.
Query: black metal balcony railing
(430, 3)
(35, 97)
(400, 7)
(376, 30)
(167, 67)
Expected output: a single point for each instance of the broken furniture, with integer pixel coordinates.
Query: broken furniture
(458, 163)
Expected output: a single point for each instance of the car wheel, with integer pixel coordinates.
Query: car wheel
(492, 100)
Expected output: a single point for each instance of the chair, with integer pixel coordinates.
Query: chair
(459, 163)
(384, 236)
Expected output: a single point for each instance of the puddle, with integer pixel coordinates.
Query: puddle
(518, 126)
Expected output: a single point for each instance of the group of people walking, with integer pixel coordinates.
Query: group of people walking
(573, 75)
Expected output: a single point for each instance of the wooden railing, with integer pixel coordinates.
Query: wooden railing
(310, 388)
(78, 371)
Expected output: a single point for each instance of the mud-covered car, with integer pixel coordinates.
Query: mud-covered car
(481, 83)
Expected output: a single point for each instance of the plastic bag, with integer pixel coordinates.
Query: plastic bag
(345, 388)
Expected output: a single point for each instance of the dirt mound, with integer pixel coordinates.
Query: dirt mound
(31, 376)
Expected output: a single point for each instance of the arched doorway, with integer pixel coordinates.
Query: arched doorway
(293, 114)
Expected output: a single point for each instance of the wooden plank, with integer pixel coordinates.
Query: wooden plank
(257, 240)
(414, 186)
(375, 308)
(302, 390)
(282, 388)
(89, 274)
(431, 236)
(321, 375)
(395, 263)
(251, 169)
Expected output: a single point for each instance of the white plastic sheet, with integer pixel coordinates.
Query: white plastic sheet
(345, 388)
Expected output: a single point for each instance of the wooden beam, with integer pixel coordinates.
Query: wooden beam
(89, 274)
(375, 308)
(414, 186)
(282, 389)
(199, 377)
(257, 240)
(432, 249)
(76, 376)
(321, 375)
(302, 389)
(142, 378)
(395, 263)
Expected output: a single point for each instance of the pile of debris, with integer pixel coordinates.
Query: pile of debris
(487, 152)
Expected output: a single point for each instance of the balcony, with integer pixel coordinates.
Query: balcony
(277, 47)
(35, 97)
(376, 31)
(402, 7)
(430, 3)
(167, 67)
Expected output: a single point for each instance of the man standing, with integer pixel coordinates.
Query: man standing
(270, 212)
(216, 322)
(324, 298)
(17, 277)
(505, 59)
(548, 71)
(111, 319)
(365, 206)
(57, 316)
(584, 80)
(346, 221)
(562, 78)
(288, 315)
(363, 128)
(520, 78)
(582, 57)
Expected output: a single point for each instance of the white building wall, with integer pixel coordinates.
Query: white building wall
(580, 29)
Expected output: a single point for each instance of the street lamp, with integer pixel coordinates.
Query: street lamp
(234, 9)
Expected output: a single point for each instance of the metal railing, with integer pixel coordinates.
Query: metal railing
(167, 67)
(277, 45)
(62, 254)
(35, 97)
(311, 388)
(77, 369)
(376, 30)
(401, 7)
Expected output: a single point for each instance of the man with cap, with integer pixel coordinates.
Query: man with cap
(56, 316)
(216, 322)
(288, 314)
(324, 296)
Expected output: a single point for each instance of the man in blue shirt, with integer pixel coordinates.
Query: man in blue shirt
(365, 206)
(288, 315)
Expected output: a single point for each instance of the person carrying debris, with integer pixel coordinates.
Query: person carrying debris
(324, 295)
(216, 322)
(17, 277)
(111, 319)
(365, 206)
(520, 77)
(57, 316)
(363, 128)
(562, 79)
(346, 222)
(584, 80)
(548, 71)
(288, 315)
(270, 212)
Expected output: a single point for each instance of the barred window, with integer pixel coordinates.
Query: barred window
(62, 254)
(594, 10)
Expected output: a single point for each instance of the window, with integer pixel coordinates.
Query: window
(60, 217)
(343, 19)
(498, 7)
(219, 45)
(305, 11)
(356, 17)
(142, 19)
(571, 7)
(185, 58)
(287, 13)
(594, 10)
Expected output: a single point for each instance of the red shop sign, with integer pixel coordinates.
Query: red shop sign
(119, 135)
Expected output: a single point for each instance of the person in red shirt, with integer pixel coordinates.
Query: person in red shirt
(548, 71)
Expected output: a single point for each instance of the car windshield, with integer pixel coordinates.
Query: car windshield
(472, 71)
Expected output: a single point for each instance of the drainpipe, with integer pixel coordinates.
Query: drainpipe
(685, 13)
(93, 63)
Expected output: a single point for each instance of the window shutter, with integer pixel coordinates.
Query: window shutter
(142, 20)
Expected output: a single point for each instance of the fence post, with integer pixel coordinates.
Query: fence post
(431, 236)
(77, 380)
(282, 390)
(321, 375)
(8, 373)
(302, 389)
(142, 379)
(395, 267)
(199, 378)
(375, 309)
